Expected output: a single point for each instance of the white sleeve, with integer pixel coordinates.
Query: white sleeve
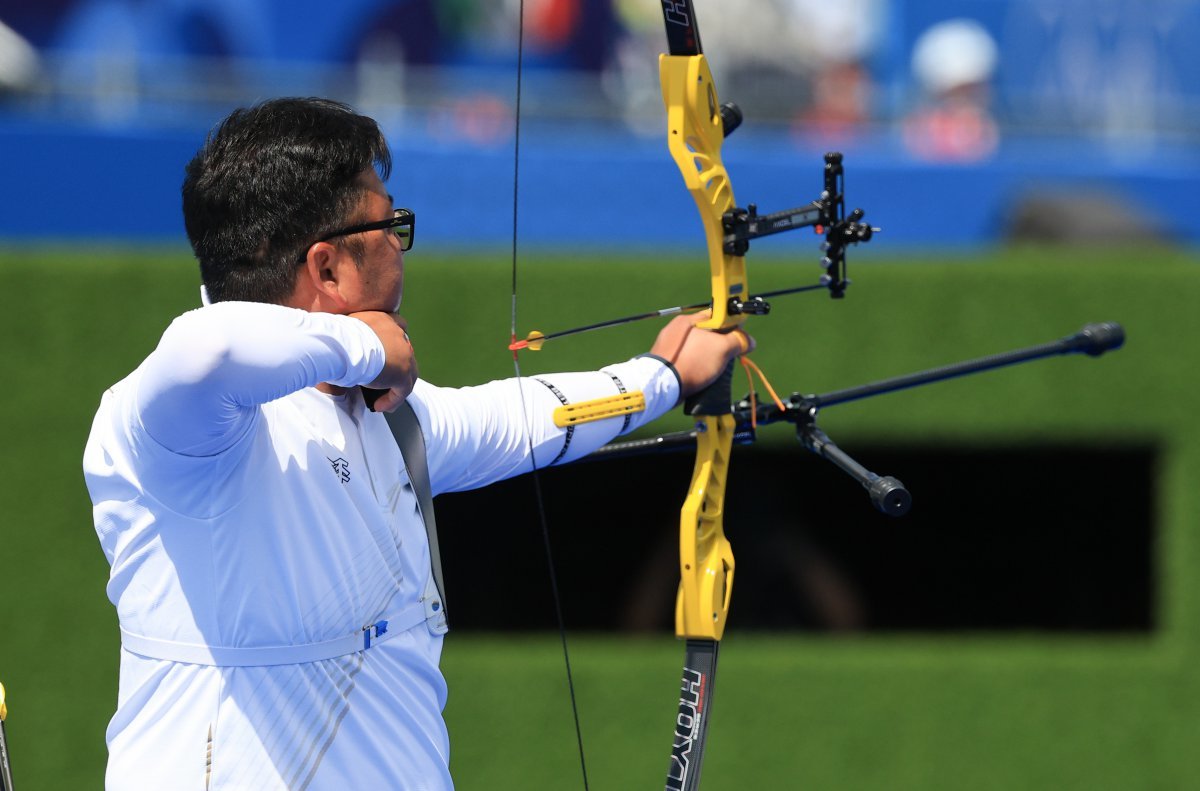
(478, 435)
(198, 391)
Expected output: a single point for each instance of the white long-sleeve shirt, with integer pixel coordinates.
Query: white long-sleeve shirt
(240, 508)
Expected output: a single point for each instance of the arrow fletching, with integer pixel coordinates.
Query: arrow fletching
(533, 342)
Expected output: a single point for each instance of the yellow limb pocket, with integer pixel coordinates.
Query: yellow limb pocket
(599, 409)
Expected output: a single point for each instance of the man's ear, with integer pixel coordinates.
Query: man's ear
(322, 277)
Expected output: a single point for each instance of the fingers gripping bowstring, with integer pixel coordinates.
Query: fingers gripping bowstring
(537, 484)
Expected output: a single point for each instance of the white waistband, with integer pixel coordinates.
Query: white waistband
(221, 656)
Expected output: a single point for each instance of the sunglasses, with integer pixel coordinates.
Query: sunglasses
(403, 223)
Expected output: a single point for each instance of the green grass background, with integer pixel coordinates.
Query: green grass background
(977, 711)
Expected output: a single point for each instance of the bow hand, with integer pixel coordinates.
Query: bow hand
(701, 357)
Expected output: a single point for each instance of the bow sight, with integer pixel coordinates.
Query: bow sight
(827, 214)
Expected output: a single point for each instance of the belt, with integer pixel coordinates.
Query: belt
(223, 656)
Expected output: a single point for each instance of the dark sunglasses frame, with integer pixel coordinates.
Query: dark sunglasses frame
(401, 219)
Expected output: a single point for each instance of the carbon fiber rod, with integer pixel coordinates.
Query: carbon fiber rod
(1093, 340)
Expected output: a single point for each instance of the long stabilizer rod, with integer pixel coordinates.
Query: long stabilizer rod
(888, 495)
(1093, 340)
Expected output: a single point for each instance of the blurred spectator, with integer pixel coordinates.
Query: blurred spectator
(795, 61)
(841, 104)
(953, 62)
(840, 38)
(19, 65)
(572, 34)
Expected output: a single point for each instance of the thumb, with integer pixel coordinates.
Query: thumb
(389, 401)
(745, 342)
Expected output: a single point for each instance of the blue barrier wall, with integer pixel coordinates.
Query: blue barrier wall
(1092, 98)
(576, 187)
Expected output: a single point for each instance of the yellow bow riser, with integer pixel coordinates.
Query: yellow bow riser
(695, 134)
(705, 556)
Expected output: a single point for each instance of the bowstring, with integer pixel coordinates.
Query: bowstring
(537, 482)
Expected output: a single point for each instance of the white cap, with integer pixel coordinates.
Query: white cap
(953, 53)
(18, 60)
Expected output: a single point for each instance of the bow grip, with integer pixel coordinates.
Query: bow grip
(716, 399)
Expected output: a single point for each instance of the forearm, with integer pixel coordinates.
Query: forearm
(214, 365)
(478, 435)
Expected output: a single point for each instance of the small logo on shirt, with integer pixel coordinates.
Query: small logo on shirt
(341, 468)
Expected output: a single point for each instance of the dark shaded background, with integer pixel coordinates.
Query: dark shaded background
(1050, 537)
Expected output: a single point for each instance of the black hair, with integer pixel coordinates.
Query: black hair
(268, 181)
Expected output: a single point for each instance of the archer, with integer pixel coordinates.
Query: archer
(281, 608)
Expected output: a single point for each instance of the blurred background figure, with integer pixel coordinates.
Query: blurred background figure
(841, 39)
(953, 64)
(800, 63)
(19, 64)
